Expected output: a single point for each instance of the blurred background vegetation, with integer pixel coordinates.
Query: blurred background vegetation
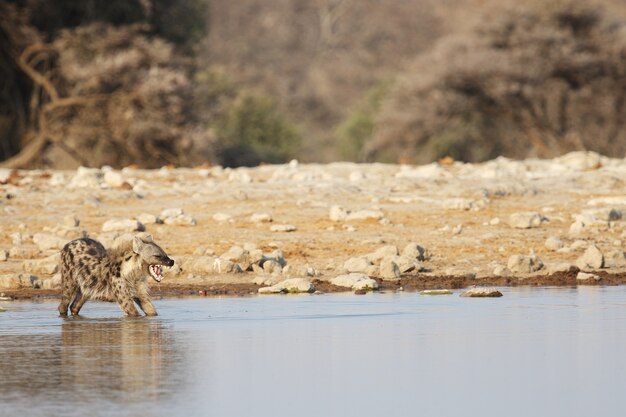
(188, 82)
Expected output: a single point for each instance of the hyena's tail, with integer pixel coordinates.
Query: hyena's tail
(68, 284)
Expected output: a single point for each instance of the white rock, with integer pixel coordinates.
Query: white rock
(554, 243)
(182, 220)
(579, 244)
(171, 212)
(580, 160)
(356, 176)
(4, 255)
(292, 285)
(9, 282)
(271, 266)
(147, 218)
(238, 255)
(355, 281)
(415, 251)
(376, 256)
(5, 175)
(481, 292)
(337, 214)
(70, 221)
(524, 264)
(49, 265)
(584, 276)
(357, 264)
(114, 179)
(223, 266)
(283, 228)
(499, 270)
(365, 215)
(389, 270)
(577, 228)
(52, 283)
(86, 178)
(122, 225)
(558, 267)
(406, 263)
(222, 217)
(261, 218)
(45, 241)
(591, 259)
(495, 221)
(526, 220)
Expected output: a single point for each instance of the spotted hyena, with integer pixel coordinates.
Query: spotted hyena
(89, 271)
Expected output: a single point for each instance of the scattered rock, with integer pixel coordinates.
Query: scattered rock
(261, 218)
(365, 215)
(553, 268)
(86, 178)
(271, 266)
(198, 264)
(359, 264)
(292, 286)
(481, 292)
(223, 266)
(114, 179)
(355, 281)
(283, 228)
(584, 276)
(580, 160)
(9, 282)
(52, 283)
(524, 264)
(591, 259)
(389, 270)
(70, 221)
(222, 217)
(526, 220)
(49, 265)
(415, 251)
(4, 255)
(435, 292)
(337, 214)
(238, 255)
(554, 243)
(123, 225)
(383, 252)
(147, 218)
(45, 241)
(176, 217)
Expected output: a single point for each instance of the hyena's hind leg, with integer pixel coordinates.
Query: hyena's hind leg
(79, 301)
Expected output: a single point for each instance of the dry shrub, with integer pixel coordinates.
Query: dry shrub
(525, 81)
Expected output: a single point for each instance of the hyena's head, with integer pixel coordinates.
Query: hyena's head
(153, 258)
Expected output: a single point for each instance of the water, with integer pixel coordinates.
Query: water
(533, 352)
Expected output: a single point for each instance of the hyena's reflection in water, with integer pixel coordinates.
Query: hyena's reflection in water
(117, 358)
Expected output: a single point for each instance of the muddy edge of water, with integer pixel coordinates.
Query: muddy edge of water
(559, 279)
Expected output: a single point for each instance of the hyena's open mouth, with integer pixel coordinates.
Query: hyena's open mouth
(157, 272)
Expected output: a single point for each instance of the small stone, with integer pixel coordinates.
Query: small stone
(114, 179)
(591, 259)
(389, 270)
(171, 212)
(435, 292)
(355, 281)
(499, 270)
(584, 276)
(524, 264)
(292, 286)
(147, 218)
(222, 217)
(52, 283)
(481, 292)
(238, 255)
(558, 267)
(271, 266)
(4, 255)
(365, 215)
(122, 225)
(222, 266)
(579, 244)
(283, 228)
(70, 221)
(526, 220)
(359, 264)
(10, 282)
(48, 266)
(376, 256)
(456, 230)
(416, 251)
(45, 241)
(261, 218)
(495, 221)
(86, 178)
(337, 214)
(577, 228)
(554, 243)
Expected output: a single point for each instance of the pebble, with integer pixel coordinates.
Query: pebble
(355, 281)
(524, 264)
(481, 292)
(435, 292)
(291, 286)
(283, 228)
(591, 259)
(526, 220)
(357, 264)
(554, 243)
(261, 218)
(147, 218)
(222, 217)
(584, 276)
(381, 253)
(123, 225)
(389, 270)
(4, 255)
(415, 251)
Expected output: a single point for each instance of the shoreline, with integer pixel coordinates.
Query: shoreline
(413, 284)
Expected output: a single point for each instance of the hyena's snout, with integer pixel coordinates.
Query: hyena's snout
(169, 262)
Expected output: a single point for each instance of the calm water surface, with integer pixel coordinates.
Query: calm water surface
(533, 352)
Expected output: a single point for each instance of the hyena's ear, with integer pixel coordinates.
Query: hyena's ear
(137, 244)
(147, 239)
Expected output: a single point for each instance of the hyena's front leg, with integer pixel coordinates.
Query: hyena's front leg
(122, 295)
(143, 299)
(68, 292)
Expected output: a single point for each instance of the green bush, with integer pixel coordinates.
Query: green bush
(252, 131)
(358, 127)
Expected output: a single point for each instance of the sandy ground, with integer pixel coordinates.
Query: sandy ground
(461, 214)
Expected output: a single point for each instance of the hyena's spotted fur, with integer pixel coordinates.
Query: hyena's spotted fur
(89, 271)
